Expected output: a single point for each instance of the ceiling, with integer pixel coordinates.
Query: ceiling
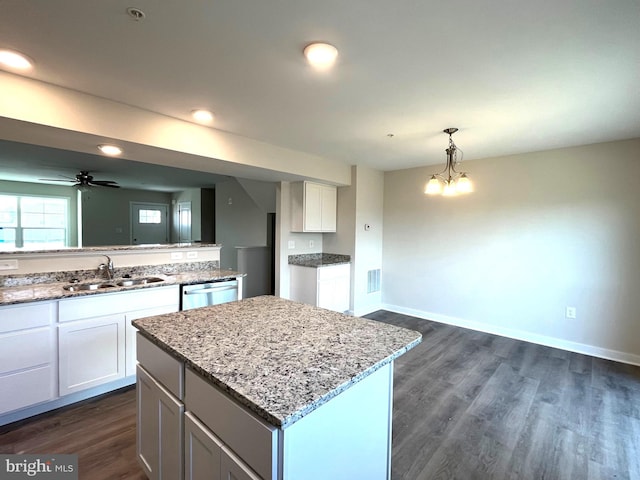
(513, 76)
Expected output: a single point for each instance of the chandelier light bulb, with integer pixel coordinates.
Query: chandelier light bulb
(450, 189)
(464, 185)
(433, 187)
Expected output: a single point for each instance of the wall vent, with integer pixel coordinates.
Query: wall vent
(373, 281)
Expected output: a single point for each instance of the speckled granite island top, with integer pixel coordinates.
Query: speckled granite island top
(279, 358)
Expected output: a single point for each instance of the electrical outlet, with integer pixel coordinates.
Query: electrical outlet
(192, 254)
(176, 255)
(292, 244)
(9, 265)
(570, 312)
(311, 244)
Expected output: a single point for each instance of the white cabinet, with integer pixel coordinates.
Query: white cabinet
(28, 363)
(313, 207)
(159, 442)
(96, 338)
(325, 287)
(91, 352)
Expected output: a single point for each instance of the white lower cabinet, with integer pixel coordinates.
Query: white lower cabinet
(91, 352)
(207, 458)
(325, 287)
(28, 361)
(97, 340)
(160, 423)
(57, 352)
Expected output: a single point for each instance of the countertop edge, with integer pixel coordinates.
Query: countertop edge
(281, 423)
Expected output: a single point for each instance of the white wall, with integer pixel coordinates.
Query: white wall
(543, 231)
(240, 222)
(360, 204)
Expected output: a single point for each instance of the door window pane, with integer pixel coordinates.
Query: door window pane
(150, 216)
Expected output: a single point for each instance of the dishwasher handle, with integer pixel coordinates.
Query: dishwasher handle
(209, 290)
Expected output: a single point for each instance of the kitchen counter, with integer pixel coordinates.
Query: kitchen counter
(280, 359)
(54, 290)
(315, 260)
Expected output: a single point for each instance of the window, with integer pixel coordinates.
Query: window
(33, 222)
(150, 216)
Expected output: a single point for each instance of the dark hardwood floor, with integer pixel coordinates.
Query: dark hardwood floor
(467, 405)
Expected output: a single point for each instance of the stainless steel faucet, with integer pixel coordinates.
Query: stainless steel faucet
(107, 268)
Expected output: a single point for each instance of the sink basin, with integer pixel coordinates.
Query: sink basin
(128, 282)
(76, 287)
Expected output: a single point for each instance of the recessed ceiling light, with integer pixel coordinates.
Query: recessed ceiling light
(13, 59)
(321, 55)
(202, 116)
(112, 150)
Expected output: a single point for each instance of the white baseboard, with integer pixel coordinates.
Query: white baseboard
(27, 412)
(592, 350)
(367, 310)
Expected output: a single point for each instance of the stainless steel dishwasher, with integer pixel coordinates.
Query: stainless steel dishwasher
(205, 294)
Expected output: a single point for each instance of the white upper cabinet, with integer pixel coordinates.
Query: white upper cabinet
(313, 207)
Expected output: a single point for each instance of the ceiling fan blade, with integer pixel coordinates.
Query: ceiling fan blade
(56, 180)
(104, 183)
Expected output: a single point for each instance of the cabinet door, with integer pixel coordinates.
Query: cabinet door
(159, 439)
(91, 352)
(202, 451)
(329, 206)
(27, 359)
(232, 468)
(334, 286)
(313, 200)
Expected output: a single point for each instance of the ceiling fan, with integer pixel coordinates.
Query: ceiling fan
(83, 179)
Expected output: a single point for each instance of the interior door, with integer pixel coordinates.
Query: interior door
(149, 223)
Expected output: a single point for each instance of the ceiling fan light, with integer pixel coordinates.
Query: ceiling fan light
(464, 185)
(321, 55)
(433, 186)
(111, 150)
(16, 60)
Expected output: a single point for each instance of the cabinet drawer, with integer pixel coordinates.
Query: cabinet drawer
(250, 437)
(20, 317)
(162, 366)
(332, 272)
(25, 349)
(26, 388)
(100, 304)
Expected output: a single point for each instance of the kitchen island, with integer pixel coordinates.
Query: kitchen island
(266, 388)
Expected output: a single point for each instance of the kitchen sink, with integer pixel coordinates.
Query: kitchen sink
(128, 282)
(125, 282)
(76, 287)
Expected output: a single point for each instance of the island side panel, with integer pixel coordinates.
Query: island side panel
(348, 437)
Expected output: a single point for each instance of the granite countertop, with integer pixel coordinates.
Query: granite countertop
(279, 358)
(54, 290)
(111, 248)
(315, 260)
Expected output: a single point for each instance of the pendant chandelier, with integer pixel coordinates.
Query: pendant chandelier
(449, 182)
